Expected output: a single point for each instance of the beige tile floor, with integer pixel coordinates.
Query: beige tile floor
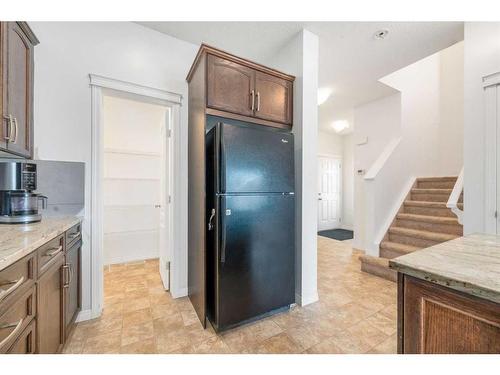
(356, 313)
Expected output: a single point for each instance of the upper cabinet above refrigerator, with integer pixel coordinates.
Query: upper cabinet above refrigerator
(243, 90)
(17, 43)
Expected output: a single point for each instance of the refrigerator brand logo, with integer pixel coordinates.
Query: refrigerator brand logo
(228, 212)
(284, 140)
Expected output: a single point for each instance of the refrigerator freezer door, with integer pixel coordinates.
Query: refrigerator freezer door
(256, 255)
(255, 160)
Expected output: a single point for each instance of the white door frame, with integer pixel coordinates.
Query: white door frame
(341, 186)
(99, 86)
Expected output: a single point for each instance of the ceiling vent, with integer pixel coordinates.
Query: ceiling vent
(381, 34)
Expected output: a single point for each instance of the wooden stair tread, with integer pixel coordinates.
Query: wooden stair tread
(374, 260)
(443, 178)
(428, 218)
(399, 247)
(429, 204)
(431, 191)
(423, 234)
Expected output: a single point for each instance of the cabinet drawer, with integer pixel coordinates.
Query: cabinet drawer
(16, 278)
(73, 234)
(25, 344)
(16, 317)
(48, 252)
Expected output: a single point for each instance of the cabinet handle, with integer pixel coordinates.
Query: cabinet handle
(71, 274)
(15, 127)
(15, 284)
(258, 101)
(65, 268)
(9, 128)
(52, 251)
(76, 234)
(252, 95)
(14, 332)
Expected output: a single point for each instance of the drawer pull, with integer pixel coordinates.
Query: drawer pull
(15, 284)
(74, 235)
(52, 251)
(14, 332)
(66, 275)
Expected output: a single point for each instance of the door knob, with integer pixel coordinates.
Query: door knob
(157, 205)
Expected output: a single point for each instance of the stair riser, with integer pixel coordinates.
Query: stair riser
(379, 271)
(429, 211)
(426, 197)
(431, 227)
(435, 184)
(413, 241)
(391, 253)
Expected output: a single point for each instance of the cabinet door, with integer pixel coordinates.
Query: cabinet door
(229, 86)
(50, 308)
(17, 88)
(273, 100)
(72, 290)
(4, 128)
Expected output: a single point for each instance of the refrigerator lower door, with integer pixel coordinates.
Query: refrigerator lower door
(256, 255)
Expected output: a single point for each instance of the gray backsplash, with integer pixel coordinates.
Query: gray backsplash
(63, 183)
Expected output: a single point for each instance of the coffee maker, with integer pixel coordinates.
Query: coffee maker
(18, 202)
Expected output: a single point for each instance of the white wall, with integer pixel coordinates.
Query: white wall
(67, 53)
(377, 123)
(330, 144)
(300, 58)
(481, 57)
(348, 182)
(131, 186)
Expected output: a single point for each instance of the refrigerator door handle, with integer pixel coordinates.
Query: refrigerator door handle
(210, 221)
(223, 233)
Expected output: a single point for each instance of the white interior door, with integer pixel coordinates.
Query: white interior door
(165, 204)
(329, 192)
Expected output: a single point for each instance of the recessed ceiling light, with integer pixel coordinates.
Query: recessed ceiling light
(381, 34)
(340, 125)
(323, 94)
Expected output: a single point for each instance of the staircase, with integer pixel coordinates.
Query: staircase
(423, 220)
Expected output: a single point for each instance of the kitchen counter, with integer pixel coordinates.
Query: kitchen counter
(19, 240)
(469, 264)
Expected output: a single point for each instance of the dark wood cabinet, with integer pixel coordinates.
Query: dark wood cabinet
(436, 320)
(230, 86)
(72, 286)
(243, 90)
(50, 308)
(273, 98)
(16, 65)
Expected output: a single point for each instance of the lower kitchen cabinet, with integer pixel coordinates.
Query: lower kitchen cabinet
(40, 296)
(72, 288)
(50, 308)
(26, 343)
(433, 319)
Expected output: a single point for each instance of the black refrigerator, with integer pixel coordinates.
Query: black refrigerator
(250, 223)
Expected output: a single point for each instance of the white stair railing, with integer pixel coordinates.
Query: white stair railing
(455, 196)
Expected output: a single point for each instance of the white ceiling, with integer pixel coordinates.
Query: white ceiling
(351, 60)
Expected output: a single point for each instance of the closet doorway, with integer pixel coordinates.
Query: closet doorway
(329, 192)
(135, 178)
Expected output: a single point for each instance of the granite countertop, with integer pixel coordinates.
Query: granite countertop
(19, 240)
(469, 264)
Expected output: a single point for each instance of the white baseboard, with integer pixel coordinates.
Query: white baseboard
(303, 301)
(182, 292)
(347, 227)
(84, 315)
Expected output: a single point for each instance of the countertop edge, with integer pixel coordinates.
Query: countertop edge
(448, 282)
(13, 258)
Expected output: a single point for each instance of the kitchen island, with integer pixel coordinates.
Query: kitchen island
(449, 297)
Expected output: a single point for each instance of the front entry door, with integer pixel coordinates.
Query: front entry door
(329, 192)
